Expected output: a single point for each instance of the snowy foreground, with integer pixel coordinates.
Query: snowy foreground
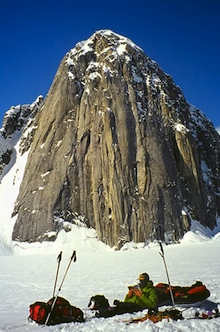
(28, 275)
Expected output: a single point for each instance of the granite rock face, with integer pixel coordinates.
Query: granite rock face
(117, 143)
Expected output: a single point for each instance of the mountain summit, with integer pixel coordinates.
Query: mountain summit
(116, 144)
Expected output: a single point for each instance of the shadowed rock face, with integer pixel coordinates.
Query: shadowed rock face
(117, 143)
(15, 119)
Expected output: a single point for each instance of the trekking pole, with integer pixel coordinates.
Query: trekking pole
(168, 279)
(72, 258)
(59, 257)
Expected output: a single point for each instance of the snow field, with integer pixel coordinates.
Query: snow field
(27, 277)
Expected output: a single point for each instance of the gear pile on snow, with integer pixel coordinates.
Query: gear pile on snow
(174, 314)
(182, 295)
(63, 312)
(156, 316)
(97, 302)
(57, 310)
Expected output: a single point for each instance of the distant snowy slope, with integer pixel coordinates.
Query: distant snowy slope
(9, 189)
(15, 130)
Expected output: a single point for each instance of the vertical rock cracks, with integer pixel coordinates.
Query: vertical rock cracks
(115, 143)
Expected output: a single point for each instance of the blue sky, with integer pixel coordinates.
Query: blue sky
(183, 37)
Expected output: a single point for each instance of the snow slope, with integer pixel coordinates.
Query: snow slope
(29, 274)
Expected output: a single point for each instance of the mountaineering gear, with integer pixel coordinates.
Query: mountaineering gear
(179, 295)
(99, 302)
(63, 312)
(156, 316)
(119, 309)
(57, 310)
(188, 295)
(59, 257)
(168, 279)
(174, 314)
(39, 312)
(139, 297)
(72, 258)
(182, 295)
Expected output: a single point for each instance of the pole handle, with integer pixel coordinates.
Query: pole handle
(73, 257)
(59, 257)
(161, 248)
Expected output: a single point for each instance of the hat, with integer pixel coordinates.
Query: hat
(143, 276)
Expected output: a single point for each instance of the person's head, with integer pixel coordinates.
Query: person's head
(143, 279)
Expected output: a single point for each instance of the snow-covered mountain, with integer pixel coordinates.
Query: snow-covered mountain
(114, 146)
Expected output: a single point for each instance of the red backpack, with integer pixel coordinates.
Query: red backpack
(39, 312)
(63, 312)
